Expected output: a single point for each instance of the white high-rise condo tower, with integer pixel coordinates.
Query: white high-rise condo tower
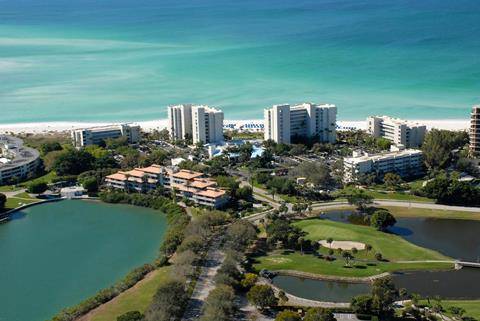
(180, 121)
(475, 131)
(284, 122)
(398, 131)
(204, 124)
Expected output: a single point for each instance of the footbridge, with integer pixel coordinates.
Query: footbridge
(461, 264)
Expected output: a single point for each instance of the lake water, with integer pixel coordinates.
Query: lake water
(330, 291)
(128, 59)
(55, 255)
(459, 284)
(454, 238)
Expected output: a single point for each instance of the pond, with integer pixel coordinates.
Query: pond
(57, 254)
(320, 290)
(447, 284)
(455, 238)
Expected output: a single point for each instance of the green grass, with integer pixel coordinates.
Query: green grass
(398, 196)
(13, 202)
(425, 212)
(392, 247)
(312, 264)
(9, 188)
(135, 299)
(47, 178)
(472, 307)
(18, 200)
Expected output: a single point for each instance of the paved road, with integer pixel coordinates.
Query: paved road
(394, 203)
(205, 282)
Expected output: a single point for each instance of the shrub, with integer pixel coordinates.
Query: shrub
(37, 187)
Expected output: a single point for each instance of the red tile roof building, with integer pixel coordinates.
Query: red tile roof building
(187, 184)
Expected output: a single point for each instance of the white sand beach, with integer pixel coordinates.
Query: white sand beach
(46, 127)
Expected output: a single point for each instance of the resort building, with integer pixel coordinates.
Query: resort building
(204, 124)
(285, 122)
(186, 184)
(404, 162)
(398, 131)
(17, 162)
(97, 135)
(475, 131)
(180, 121)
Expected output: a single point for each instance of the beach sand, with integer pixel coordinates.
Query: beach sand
(45, 127)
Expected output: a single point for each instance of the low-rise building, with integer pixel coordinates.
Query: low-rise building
(17, 162)
(404, 162)
(96, 135)
(184, 183)
(398, 131)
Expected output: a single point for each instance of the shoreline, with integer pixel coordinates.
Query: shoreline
(150, 125)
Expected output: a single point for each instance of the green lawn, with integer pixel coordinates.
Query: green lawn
(18, 200)
(47, 178)
(9, 188)
(311, 264)
(137, 298)
(392, 247)
(399, 196)
(424, 212)
(472, 307)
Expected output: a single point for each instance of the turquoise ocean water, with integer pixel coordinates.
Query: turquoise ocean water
(126, 60)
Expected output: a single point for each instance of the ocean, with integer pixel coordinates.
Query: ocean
(126, 60)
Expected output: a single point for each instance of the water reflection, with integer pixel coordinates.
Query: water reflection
(320, 290)
(455, 238)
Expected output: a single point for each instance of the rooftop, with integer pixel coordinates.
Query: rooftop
(398, 121)
(14, 153)
(186, 174)
(383, 156)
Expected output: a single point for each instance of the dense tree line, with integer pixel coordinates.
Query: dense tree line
(379, 302)
(449, 190)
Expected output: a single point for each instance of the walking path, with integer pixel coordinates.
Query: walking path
(205, 282)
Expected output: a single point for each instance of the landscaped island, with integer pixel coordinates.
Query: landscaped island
(396, 253)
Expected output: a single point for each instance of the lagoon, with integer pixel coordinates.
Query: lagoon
(55, 255)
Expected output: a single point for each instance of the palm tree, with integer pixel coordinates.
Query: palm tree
(368, 248)
(273, 191)
(330, 241)
(347, 256)
(300, 241)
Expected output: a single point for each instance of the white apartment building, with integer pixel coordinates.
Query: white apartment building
(96, 135)
(186, 184)
(404, 162)
(398, 131)
(284, 122)
(17, 162)
(204, 124)
(180, 121)
(475, 131)
(207, 125)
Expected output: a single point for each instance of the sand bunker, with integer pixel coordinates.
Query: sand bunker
(344, 245)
